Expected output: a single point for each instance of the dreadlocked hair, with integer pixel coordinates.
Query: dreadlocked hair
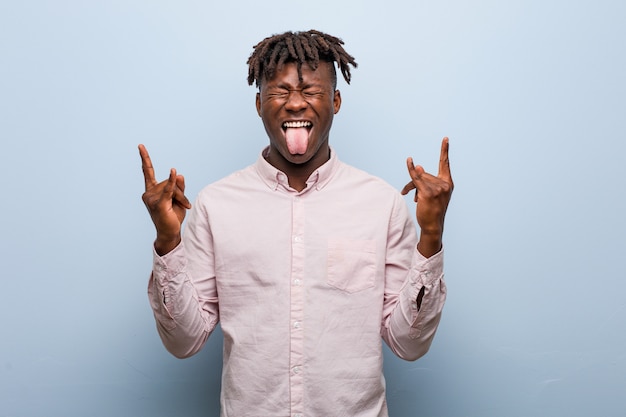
(309, 47)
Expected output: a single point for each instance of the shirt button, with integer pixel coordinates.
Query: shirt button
(298, 239)
(296, 369)
(297, 282)
(296, 325)
(298, 415)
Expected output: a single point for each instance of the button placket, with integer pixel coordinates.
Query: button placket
(296, 338)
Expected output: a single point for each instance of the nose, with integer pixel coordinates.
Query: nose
(295, 101)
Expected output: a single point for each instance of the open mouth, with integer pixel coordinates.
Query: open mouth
(297, 135)
(299, 123)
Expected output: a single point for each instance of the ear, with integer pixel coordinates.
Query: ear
(258, 104)
(337, 101)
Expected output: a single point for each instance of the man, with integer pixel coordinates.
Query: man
(304, 260)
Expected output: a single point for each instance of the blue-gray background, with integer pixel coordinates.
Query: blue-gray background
(531, 93)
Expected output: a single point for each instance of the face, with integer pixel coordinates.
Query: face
(298, 115)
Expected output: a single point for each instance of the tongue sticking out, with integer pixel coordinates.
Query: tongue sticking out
(297, 139)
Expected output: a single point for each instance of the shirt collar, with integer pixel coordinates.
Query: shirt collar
(276, 179)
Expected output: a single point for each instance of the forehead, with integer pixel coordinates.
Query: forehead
(288, 74)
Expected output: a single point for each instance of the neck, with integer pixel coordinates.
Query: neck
(298, 173)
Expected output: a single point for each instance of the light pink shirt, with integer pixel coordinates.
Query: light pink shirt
(304, 285)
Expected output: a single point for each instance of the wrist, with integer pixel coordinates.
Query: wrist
(163, 245)
(429, 243)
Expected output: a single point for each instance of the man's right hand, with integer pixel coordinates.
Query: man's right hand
(166, 203)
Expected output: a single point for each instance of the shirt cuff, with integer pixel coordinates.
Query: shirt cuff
(428, 269)
(169, 264)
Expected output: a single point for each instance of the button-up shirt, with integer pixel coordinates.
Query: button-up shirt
(304, 284)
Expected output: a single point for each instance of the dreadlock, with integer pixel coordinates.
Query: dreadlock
(310, 47)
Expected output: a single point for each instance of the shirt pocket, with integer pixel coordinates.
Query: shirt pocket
(351, 264)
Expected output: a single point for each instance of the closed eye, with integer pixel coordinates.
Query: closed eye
(281, 94)
(312, 93)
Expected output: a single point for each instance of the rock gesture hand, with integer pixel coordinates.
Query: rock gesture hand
(166, 203)
(432, 195)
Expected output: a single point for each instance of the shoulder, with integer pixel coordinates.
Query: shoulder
(355, 186)
(348, 175)
(369, 194)
(235, 182)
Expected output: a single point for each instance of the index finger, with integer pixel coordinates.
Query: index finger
(444, 161)
(146, 167)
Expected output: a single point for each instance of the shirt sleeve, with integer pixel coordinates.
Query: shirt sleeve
(409, 324)
(182, 295)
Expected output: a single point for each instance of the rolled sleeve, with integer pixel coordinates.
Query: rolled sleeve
(427, 276)
(167, 276)
(411, 327)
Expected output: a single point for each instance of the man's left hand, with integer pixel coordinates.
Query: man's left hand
(432, 195)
